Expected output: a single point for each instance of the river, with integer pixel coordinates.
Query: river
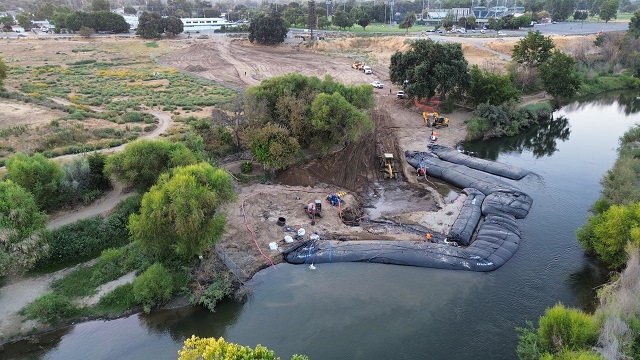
(373, 311)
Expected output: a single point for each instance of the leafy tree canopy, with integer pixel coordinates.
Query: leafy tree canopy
(268, 29)
(22, 228)
(180, 216)
(142, 161)
(533, 50)
(408, 21)
(287, 100)
(212, 349)
(38, 175)
(560, 76)
(634, 24)
(361, 16)
(150, 25)
(609, 10)
(335, 120)
(172, 25)
(430, 68)
(342, 20)
(100, 5)
(560, 10)
(494, 89)
(273, 147)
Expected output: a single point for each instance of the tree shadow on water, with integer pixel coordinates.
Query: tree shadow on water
(541, 139)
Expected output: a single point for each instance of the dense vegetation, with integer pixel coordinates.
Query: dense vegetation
(211, 349)
(305, 112)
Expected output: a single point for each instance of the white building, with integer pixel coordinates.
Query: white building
(197, 24)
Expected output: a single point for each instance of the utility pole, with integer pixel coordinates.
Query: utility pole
(391, 12)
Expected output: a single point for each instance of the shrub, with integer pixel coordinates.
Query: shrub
(153, 287)
(118, 300)
(221, 287)
(566, 329)
(51, 308)
(132, 117)
(246, 167)
(110, 265)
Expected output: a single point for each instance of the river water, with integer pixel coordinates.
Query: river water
(374, 311)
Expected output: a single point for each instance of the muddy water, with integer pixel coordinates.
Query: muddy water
(371, 311)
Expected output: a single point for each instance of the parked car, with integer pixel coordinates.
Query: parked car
(500, 33)
(22, 35)
(400, 94)
(377, 84)
(367, 70)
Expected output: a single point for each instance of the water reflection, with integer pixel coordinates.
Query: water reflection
(628, 102)
(541, 139)
(32, 347)
(586, 282)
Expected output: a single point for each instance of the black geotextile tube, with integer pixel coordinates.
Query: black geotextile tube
(491, 240)
(454, 156)
(466, 222)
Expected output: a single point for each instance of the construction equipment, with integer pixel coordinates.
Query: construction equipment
(358, 65)
(314, 209)
(440, 122)
(386, 166)
(435, 120)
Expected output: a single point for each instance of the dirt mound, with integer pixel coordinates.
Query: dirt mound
(195, 68)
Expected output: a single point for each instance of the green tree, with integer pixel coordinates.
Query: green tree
(22, 229)
(212, 349)
(634, 24)
(100, 5)
(268, 29)
(24, 20)
(39, 175)
(130, 10)
(336, 121)
(172, 26)
(107, 21)
(312, 18)
(491, 88)
(430, 68)
(560, 76)
(609, 10)
(150, 25)
(342, 20)
(180, 215)
(560, 10)
(3, 73)
(361, 15)
(44, 11)
(408, 21)
(533, 50)
(273, 147)
(7, 20)
(142, 161)
(153, 287)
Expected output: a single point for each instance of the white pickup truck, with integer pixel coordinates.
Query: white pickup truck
(367, 70)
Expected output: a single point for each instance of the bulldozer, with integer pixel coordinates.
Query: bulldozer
(386, 166)
(358, 65)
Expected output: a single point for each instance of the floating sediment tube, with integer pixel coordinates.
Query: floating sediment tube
(486, 225)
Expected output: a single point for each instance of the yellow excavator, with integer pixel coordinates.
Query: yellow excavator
(434, 119)
(358, 65)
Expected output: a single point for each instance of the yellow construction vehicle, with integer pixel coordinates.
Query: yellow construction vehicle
(386, 166)
(434, 119)
(358, 65)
